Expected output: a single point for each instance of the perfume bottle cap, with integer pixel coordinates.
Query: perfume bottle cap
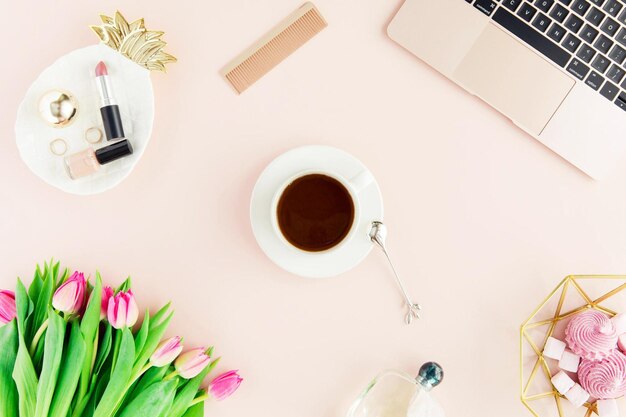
(115, 151)
(430, 375)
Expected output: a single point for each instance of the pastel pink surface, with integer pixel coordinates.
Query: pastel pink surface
(483, 220)
(591, 335)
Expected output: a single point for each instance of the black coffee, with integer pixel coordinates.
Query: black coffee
(315, 212)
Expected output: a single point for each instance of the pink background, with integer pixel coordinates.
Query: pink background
(484, 221)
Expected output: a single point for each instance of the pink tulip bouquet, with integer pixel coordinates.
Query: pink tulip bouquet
(68, 349)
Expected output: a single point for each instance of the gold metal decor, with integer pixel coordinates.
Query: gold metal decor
(134, 41)
(574, 294)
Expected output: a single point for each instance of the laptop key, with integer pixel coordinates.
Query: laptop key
(609, 90)
(512, 5)
(595, 16)
(615, 74)
(613, 7)
(622, 17)
(609, 26)
(594, 80)
(559, 13)
(620, 101)
(601, 63)
(624, 84)
(621, 36)
(585, 53)
(573, 23)
(617, 54)
(527, 12)
(556, 33)
(486, 6)
(544, 5)
(581, 6)
(533, 38)
(578, 69)
(603, 44)
(598, 2)
(588, 33)
(571, 42)
(541, 22)
(566, 2)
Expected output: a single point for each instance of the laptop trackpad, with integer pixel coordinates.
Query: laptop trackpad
(513, 78)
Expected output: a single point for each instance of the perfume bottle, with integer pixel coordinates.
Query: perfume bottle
(397, 394)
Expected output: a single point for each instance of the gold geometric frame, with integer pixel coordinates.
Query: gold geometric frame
(549, 315)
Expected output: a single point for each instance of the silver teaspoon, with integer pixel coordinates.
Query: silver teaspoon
(378, 234)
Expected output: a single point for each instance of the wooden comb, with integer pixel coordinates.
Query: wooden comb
(274, 47)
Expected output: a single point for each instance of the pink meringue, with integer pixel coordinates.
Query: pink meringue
(605, 379)
(591, 334)
(621, 342)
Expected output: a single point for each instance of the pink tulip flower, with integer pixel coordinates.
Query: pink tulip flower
(166, 352)
(107, 293)
(122, 310)
(7, 306)
(192, 362)
(70, 296)
(224, 385)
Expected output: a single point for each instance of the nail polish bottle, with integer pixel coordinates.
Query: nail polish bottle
(89, 161)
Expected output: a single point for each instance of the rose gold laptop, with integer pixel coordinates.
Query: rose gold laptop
(554, 67)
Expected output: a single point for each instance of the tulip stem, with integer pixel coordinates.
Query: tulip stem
(170, 375)
(199, 399)
(35, 342)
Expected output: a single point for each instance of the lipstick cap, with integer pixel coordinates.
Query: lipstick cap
(115, 151)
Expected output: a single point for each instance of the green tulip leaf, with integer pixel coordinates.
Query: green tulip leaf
(125, 286)
(8, 354)
(73, 358)
(35, 286)
(99, 378)
(153, 402)
(89, 328)
(120, 377)
(103, 350)
(55, 269)
(158, 326)
(160, 315)
(24, 373)
(196, 410)
(42, 300)
(53, 353)
(142, 334)
(96, 394)
(151, 376)
(33, 293)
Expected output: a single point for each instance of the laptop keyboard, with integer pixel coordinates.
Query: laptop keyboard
(585, 37)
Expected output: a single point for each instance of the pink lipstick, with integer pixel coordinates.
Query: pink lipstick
(109, 110)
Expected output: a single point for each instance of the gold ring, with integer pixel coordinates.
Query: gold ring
(58, 147)
(93, 135)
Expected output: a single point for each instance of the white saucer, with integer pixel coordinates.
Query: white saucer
(322, 264)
